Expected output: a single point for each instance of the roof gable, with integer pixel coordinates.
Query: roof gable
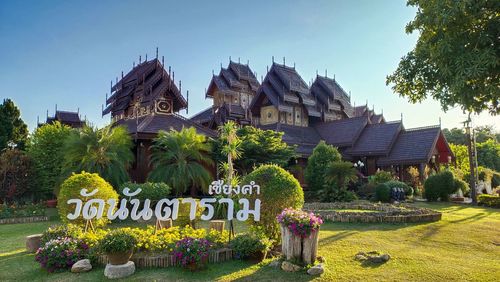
(343, 132)
(376, 139)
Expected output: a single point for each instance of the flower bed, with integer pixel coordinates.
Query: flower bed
(382, 213)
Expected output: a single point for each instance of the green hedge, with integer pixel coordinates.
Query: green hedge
(398, 184)
(492, 201)
(154, 191)
(440, 186)
(383, 193)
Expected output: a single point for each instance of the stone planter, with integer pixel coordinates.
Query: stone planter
(295, 247)
(119, 258)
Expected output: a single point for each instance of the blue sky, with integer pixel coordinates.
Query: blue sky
(66, 52)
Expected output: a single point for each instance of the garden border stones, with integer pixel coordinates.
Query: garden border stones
(30, 219)
(144, 260)
(383, 213)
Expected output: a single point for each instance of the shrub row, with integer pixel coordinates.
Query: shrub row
(492, 201)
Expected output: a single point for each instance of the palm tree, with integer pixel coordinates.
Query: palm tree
(181, 159)
(231, 148)
(340, 174)
(106, 151)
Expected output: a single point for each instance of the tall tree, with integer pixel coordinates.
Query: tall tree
(44, 148)
(257, 147)
(181, 159)
(106, 151)
(456, 58)
(231, 147)
(13, 130)
(317, 165)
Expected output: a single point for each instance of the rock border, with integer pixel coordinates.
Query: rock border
(383, 213)
(30, 219)
(144, 260)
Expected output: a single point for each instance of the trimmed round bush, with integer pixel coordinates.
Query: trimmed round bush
(398, 184)
(278, 190)
(70, 189)
(440, 186)
(383, 193)
(154, 191)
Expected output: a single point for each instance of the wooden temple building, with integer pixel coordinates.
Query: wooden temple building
(323, 111)
(71, 119)
(147, 100)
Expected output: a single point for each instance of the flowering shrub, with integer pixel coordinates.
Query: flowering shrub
(118, 240)
(59, 232)
(191, 250)
(301, 223)
(62, 253)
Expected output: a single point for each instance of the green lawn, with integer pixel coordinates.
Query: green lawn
(465, 245)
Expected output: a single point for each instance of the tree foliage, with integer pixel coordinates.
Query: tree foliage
(338, 175)
(456, 58)
(181, 159)
(106, 151)
(16, 175)
(488, 154)
(12, 127)
(317, 165)
(231, 147)
(482, 134)
(257, 147)
(44, 148)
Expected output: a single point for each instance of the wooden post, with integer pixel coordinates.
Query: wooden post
(161, 224)
(217, 225)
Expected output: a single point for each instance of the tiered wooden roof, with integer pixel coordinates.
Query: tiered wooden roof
(147, 82)
(71, 119)
(331, 96)
(234, 78)
(285, 89)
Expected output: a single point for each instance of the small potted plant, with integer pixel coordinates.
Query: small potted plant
(251, 247)
(118, 245)
(192, 253)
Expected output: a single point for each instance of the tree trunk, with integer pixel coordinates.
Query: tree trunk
(295, 247)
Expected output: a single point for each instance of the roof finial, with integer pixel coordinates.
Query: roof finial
(261, 78)
(284, 60)
(106, 97)
(187, 106)
(373, 108)
(267, 69)
(333, 77)
(163, 61)
(326, 73)
(47, 113)
(229, 58)
(157, 53)
(238, 60)
(146, 58)
(116, 80)
(122, 74)
(56, 108)
(213, 73)
(366, 103)
(316, 72)
(111, 86)
(248, 62)
(37, 120)
(293, 65)
(140, 59)
(180, 87)
(439, 121)
(401, 117)
(273, 59)
(133, 64)
(382, 111)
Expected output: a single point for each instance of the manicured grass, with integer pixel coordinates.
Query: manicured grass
(463, 246)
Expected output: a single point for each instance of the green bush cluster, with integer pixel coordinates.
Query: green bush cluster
(441, 186)
(15, 210)
(278, 190)
(379, 177)
(70, 189)
(317, 165)
(492, 201)
(383, 193)
(150, 190)
(398, 184)
(246, 245)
